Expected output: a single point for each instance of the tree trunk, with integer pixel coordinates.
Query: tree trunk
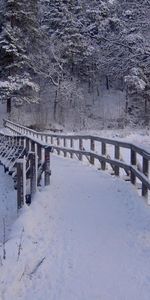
(55, 104)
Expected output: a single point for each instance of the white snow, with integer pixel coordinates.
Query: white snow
(8, 204)
(86, 236)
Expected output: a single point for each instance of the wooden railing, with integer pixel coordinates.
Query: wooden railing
(125, 159)
(27, 160)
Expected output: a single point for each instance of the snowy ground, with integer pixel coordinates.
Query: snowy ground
(8, 204)
(87, 236)
(140, 137)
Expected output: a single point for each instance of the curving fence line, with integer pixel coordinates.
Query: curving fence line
(28, 162)
(124, 159)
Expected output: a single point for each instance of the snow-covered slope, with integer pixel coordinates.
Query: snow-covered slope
(87, 236)
(8, 204)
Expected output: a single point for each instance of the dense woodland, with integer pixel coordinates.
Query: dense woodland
(81, 64)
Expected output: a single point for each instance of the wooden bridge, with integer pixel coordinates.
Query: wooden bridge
(123, 159)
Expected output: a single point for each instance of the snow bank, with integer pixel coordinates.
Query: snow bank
(8, 204)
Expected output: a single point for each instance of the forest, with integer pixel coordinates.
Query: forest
(76, 63)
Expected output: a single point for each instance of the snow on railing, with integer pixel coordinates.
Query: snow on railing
(28, 161)
(121, 158)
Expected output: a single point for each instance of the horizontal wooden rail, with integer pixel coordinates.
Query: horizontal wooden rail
(28, 160)
(95, 148)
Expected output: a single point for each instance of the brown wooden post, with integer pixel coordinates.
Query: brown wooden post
(65, 144)
(47, 165)
(80, 148)
(117, 156)
(103, 151)
(43, 164)
(36, 162)
(71, 146)
(15, 140)
(133, 163)
(58, 144)
(39, 161)
(27, 152)
(145, 172)
(33, 182)
(92, 148)
(20, 192)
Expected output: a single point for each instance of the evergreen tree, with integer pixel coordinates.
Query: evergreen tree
(19, 38)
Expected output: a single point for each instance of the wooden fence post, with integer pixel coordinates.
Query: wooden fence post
(20, 184)
(47, 165)
(58, 144)
(117, 156)
(71, 146)
(80, 148)
(33, 182)
(42, 162)
(39, 162)
(65, 144)
(36, 163)
(133, 163)
(103, 150)
(145, 172)
(92, 148)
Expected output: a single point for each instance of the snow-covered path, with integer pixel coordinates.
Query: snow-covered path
(87, 236)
